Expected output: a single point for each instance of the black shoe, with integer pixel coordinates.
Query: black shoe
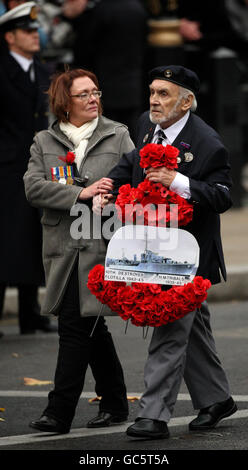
(209, 417)
(104, 419)
(47, 424)
(149, 428)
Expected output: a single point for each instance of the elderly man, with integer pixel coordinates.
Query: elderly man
(23, 81)
(185, 348)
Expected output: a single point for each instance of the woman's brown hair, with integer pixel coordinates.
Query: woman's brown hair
(59, 91)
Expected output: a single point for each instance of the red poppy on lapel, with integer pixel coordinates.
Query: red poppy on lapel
(69, 158)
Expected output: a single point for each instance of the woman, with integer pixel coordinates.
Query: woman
(98, 144)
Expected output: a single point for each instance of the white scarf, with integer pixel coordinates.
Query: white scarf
(79, 136)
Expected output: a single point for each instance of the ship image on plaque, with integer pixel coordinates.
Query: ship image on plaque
(150, 254)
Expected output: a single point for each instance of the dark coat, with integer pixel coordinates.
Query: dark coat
(209, 177)
(215, 24)
(23, 113)
(110, 41)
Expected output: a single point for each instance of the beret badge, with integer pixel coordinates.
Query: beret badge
(167, 73)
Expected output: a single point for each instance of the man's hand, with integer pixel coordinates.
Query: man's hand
(100, 201)
(161, 175)
(73, 8)
(190, 30)
(102, 186)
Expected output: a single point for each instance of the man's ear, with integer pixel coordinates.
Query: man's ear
(9, 37)
(187, 102)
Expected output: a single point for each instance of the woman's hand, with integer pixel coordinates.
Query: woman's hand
(102, 186)
(161, 175)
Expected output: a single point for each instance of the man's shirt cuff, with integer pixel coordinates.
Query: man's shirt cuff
(180, 185)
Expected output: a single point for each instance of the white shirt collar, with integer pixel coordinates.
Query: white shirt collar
(22, 61)
(173, 131)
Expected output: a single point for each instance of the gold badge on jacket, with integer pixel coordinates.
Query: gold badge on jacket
(62, 174)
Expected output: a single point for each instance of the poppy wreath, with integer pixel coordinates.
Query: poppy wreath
(142, 303)
(147, 304)
(142, 204)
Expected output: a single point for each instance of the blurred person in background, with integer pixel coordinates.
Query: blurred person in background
(214, 25)
(23, 80)
(216, 42)
(6, 5)
(110, 39)
(2, 7)
(59, 34)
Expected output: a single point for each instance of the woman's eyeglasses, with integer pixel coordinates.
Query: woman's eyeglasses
(86, 96)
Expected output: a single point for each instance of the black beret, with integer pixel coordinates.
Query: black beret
(176, 74)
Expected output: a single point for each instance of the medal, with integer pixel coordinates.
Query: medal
(54, 174)
(146, 138)
(62, 175)
(70, 175)
(62, 180)
(188, 157)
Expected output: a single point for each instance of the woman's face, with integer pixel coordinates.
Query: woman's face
(86, 109)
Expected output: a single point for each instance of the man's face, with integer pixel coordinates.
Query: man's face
(165, 103)
(25, 42)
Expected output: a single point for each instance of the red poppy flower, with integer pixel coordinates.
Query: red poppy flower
(69, 158)
(156, 155)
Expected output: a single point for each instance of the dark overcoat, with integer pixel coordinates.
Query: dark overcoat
(216, 23)
(23, 113)
(209, 178)
(111, 40)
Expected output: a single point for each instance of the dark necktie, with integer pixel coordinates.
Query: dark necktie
(31, 72)
(160, 137)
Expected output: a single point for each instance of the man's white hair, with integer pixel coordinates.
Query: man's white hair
(184, 93)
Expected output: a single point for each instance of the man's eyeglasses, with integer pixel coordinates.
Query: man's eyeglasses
(86, 96)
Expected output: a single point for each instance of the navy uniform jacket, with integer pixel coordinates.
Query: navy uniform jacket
(210, 180)
(24, 111)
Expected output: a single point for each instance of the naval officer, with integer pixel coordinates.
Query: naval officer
(24, 111)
